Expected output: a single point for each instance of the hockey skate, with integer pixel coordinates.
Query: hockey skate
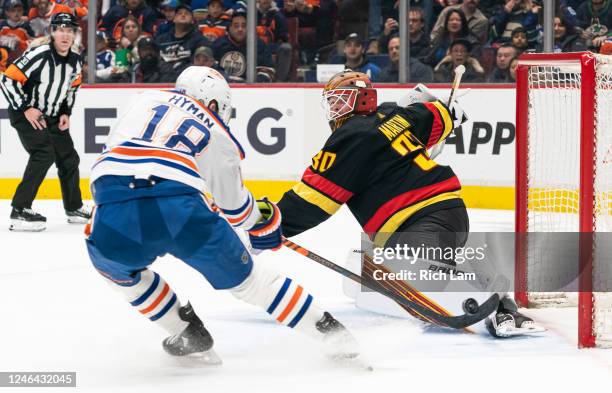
(508, 322)
(79, 216)
(27, 220)
(340, 345)
(194, 342)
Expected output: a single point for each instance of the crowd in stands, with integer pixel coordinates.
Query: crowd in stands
(154, 40)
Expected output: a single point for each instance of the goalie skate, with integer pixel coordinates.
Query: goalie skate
(511, 323)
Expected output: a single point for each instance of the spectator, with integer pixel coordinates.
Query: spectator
(15, 34)
(459, 55)
(594, 12)
(568, 9)
(516, 13)
(595, 17)
(151, 68)
(215, 25)
(4, 55)
(500, 74)
(356, 59)
(179, 44)
(105, 58)
(567, 39)
(419, 72)
(114, 18)
(374, 26)
(352, 17)
(78, 7)
(419, 40)
(230, 51)
(512, 69)
(476, 21)
(204, 56)
(168, 8)
(40, 15)
(319, 16)
(272, 29)
(130, 33)
(519, 40)
(455, 27)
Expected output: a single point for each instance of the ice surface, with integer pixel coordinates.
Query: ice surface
(57, 314)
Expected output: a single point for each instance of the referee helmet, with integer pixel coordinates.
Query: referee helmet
(63, 19)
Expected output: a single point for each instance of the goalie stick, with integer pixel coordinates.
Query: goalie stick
(406, 300)
(459, 71)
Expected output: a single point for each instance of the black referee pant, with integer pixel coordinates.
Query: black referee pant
(46, 147)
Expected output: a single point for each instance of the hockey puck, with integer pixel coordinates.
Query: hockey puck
(470, 306)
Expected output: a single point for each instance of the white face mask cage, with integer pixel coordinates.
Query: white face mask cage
(338, 102)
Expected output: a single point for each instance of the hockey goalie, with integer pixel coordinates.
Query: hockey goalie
(377, 161)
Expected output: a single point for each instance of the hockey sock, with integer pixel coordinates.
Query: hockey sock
(154, 299)
(282, 298)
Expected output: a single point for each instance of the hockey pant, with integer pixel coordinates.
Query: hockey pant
(126, 237)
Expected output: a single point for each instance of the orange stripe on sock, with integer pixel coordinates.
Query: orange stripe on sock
(292, 303)
(158, 300)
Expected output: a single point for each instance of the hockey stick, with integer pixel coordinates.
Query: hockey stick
(459, 71)
(407, 301)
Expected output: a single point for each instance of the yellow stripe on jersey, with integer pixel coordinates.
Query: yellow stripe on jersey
(448, 122)
(313, 196)
(396, 220)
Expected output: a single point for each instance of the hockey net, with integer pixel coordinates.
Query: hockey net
(564, 187)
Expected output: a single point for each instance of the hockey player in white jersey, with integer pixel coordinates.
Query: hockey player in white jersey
(161, 159)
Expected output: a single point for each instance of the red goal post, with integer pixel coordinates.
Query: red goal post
(564, 181)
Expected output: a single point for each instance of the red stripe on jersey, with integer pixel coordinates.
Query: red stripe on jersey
(401, 201)
(437, 126)
(326, 186)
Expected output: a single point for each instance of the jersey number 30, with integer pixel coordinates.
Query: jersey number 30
(407, 143)
(189, 136)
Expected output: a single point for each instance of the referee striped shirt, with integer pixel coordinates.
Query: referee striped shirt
(41, 78)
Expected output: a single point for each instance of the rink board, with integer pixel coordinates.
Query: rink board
(282, 127)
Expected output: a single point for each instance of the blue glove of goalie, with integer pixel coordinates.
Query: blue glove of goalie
(267, 233)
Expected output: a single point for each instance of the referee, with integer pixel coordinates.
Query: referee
(40, 87)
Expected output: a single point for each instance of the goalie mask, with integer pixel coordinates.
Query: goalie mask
(348, 92)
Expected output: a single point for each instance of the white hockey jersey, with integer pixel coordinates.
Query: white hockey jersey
(172, 136)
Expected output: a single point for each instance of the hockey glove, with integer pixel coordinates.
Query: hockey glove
(267, 233)
(457, 114)
(420, 94)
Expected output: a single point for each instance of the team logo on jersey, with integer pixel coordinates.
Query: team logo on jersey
(245, 257)
(323, 161)
(233, 63)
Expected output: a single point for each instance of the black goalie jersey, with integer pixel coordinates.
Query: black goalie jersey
(378, 165)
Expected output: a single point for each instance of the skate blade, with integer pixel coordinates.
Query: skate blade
(25, 226)
(207, 358)
(523, 331)
(77, 220)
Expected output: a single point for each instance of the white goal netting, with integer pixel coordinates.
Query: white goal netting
(553, 172)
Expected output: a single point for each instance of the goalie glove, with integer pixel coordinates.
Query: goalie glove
(267, 233)
(420, 94)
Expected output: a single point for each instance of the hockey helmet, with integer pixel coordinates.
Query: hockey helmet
(63, 19)
(207, 85)
(348, 92)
